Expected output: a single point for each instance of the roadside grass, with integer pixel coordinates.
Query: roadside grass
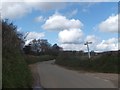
(103, 63)
(31, 59)
(15, 72)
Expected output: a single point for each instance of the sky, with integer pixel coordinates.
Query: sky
(69, 24)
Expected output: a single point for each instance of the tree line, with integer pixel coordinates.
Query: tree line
(41, 47)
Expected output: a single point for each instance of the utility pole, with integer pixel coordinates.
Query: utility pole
(87, 43)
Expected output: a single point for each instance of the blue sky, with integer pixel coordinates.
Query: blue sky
(77, 23)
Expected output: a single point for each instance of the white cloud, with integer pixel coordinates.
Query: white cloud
(34, 35)
(70, 36)
(43, 6)
(39, 19)
(91, 38)
(76, 47)
(59, 22)
(19, 29)
(108, 45)
(110, 24)
(14, 10)
(18, 9)
(28, 41)
(99, 46)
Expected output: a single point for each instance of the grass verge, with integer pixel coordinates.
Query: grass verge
(103, 63)
(16, 73)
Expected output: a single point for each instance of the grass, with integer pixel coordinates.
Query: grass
(31, 59)
(102, 63)
(16, 73)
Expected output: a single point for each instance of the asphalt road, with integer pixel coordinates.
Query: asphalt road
(53, 76)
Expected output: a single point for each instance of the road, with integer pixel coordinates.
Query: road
(54, 76)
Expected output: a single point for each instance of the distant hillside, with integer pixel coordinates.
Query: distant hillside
(15, 72)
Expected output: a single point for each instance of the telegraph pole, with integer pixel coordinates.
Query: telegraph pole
(87, 43)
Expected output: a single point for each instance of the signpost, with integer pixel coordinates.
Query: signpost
(87, 43)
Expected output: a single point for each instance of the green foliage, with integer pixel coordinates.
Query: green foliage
(103, 63)
(15, 72)
(67, 59)
(30, 59)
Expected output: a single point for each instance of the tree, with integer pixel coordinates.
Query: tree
(27, 49)
(56, 49)
(40, 46)
(44, 45)
(34, 45)
(9, 35)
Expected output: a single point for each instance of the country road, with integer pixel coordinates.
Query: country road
(53, 76)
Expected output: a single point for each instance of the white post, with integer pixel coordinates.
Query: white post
(88, 48)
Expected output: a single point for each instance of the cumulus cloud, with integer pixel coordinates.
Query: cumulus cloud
(76, 47)
(110, 24)
(70, 30)
(108, 45)
(16, 9)
(70, 36)
(91, 38)
(59, 22)
(34, 35)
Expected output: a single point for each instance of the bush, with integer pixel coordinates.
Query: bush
(105, 64)
(67, 59)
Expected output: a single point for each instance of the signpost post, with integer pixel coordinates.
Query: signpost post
(87, 43)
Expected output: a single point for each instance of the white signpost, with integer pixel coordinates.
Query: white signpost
(87, 43)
